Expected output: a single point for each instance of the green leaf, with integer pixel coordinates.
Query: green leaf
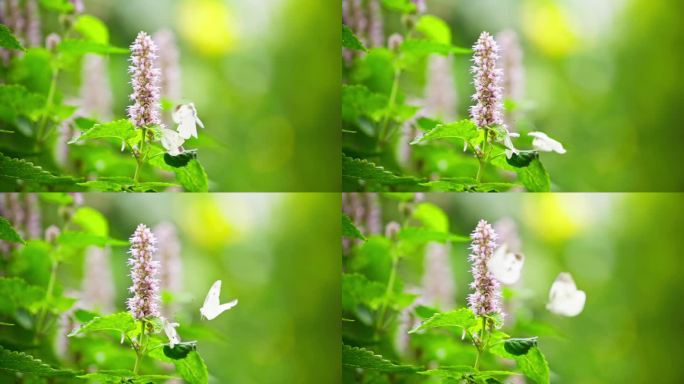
(121, 322)
(82, 47)
(534, 177)
(349, 229)
(8, 233)
(404, 6)
(519, 346)
(366, 170)
(349, 39)
(192, 176)
(63, 6)
(358, 290)
(17, 293)
(180, 160)
(125, 184)
(434, 29)
(192, 368)
(532, 364)
(15, 100)
(465, 184)
(413, 50)
(121, 130)
(522, 159)
(421, 235)
(461, 318)
(123, 376)
(21, 362)
(180, 351)
(92, 29)
(8, 40)
(78, 239)
(465, 130)
(465, 372)
(91, 220)
(431, 216)
(16, 169)
(357, 357)
(358, 101)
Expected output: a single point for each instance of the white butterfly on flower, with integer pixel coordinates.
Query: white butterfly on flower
(506, 266)
(508, 143)
(170, 330)
(185, 115)
(171, 141)
(212, 306)
(564, 297)
(544, 143)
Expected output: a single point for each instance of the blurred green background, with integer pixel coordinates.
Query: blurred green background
(602, 77)
(264, 76)
(622, 250)
(275, 253)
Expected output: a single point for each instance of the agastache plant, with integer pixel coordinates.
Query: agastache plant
(144, 270)
(486, 298)
(487, 111)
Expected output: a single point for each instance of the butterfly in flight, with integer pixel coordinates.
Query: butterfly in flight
(212, 306)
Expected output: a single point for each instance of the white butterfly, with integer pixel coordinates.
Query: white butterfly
(544, 143)
(170, 330)
(212, 306)
(564, 297)
(506, 266)
(185, 115)
(171, 141)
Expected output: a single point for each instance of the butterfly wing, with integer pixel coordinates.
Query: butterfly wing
(171, 141)
(211, 302)
(224, 307)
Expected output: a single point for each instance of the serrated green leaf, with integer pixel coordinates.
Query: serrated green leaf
(358, 290)
(19, 169)
(519, 346)
(532, 364)
(21, 362)
(357, 357)
(15, 100)
(81, 47)
(17, 293)
(366, 170)
(461, 318)
(63, 6)
(78, 239)
(349, 229)
(420, 235)
(121, 130)
(8, 40)
(434, 29)
(404, 6)
(91, 220)
(465, 372)
(357, 101)
(465, 130)
(8, 233)
(121, 323)
(192, 368)
(191, 177)
(349, 39)
(92, 29)
(534, 177)
(123, 376)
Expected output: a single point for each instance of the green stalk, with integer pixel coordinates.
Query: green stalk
(480, 346)
(48, 108)
(140, 159)
(140, 350)
(48, 295)
(388, 292)
(390, 107)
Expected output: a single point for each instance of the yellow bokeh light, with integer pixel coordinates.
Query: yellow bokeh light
(204, 222)
(208, 25)
(555, 218)
(547, 26)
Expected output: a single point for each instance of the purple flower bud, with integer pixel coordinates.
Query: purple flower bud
(392, 229)
(145, 81)
(394, 41)
(487, 80)
(51, 233)
(144, 271)
(487, 296)
(52, 41)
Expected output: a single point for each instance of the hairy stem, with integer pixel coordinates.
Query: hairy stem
(140, 158)
(480, 345)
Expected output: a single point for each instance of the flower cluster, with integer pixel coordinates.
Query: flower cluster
(145, 81)
(486, 298)
(144, 270)
(488, 93)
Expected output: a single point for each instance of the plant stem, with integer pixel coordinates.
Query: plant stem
(48, 108)
(388, 292)
(140, 159)
(390, 107)
(482, 157)
(480, 346)
(140, 350)
(48, 295)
